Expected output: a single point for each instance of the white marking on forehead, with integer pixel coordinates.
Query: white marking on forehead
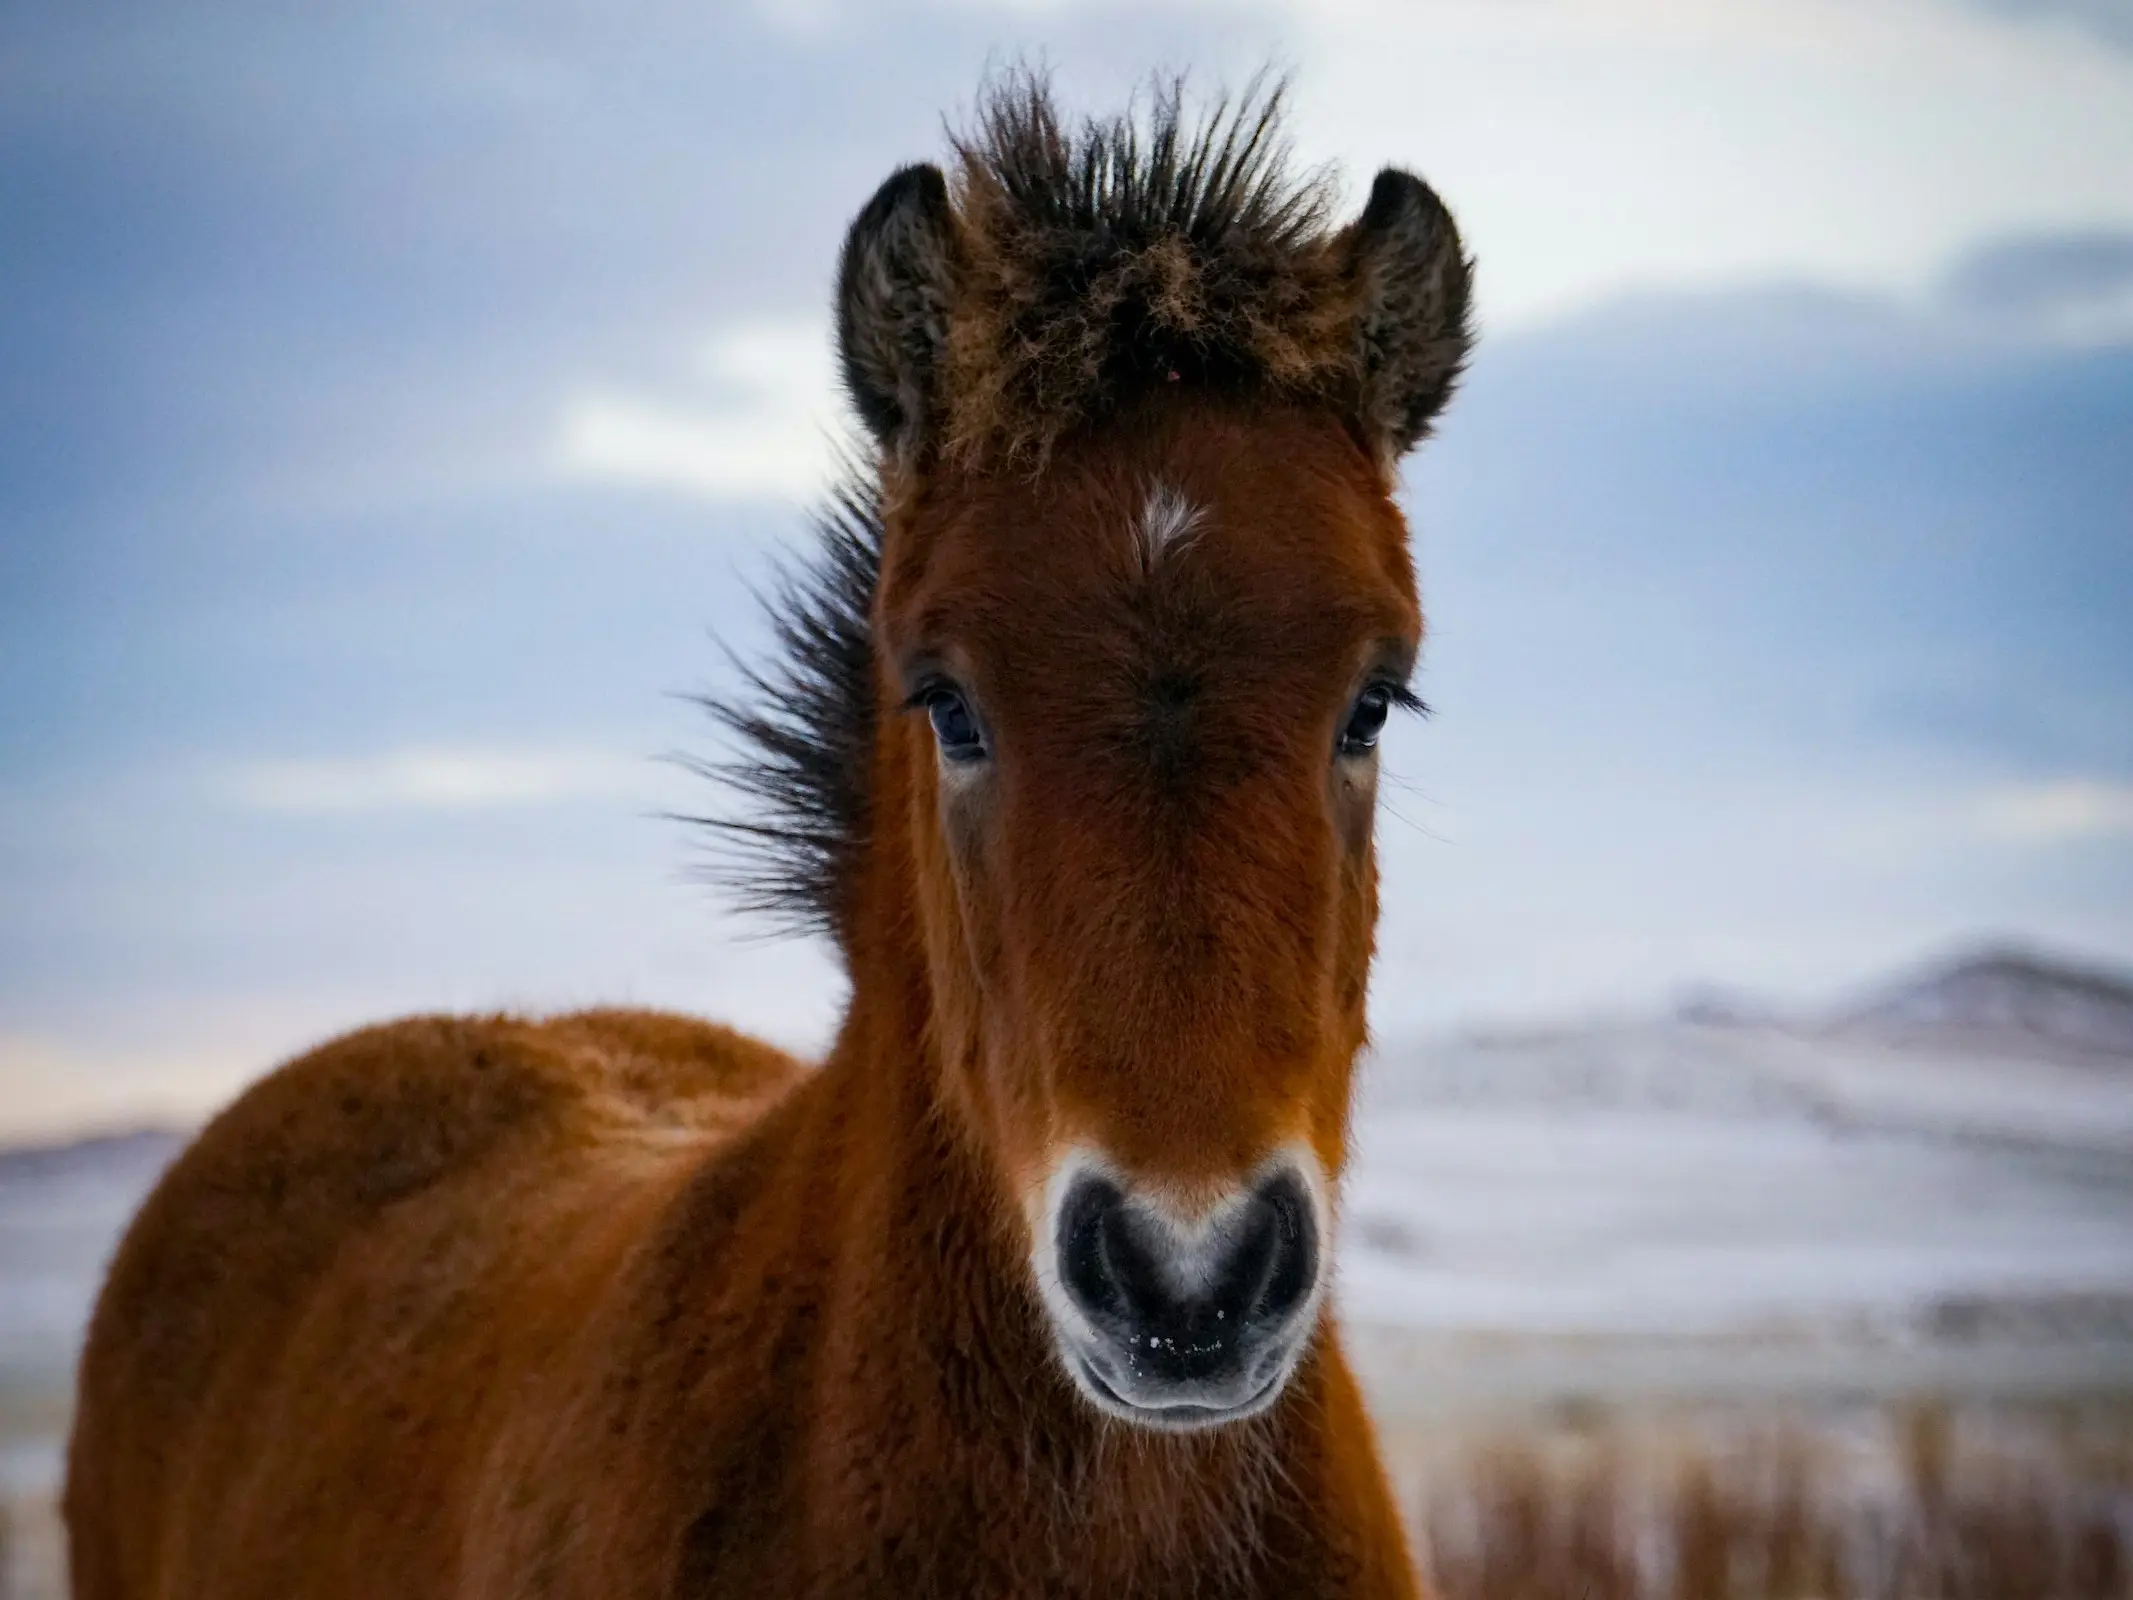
(1168, 520)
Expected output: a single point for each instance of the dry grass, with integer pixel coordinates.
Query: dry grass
(1781, 1516)
(1917, 1504)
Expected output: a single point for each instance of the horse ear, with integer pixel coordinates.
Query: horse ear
(1413, 336)
(894, 281)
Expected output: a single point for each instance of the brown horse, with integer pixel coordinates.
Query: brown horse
(1024, 1289)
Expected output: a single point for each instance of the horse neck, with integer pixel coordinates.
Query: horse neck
(910, 1178)
(930, 1250)
(932, 1351)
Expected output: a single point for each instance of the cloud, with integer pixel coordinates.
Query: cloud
(768, 435)
(430, 778)
(1593, 146)
(2109, 20)
(2073, 284)
(2067, 812)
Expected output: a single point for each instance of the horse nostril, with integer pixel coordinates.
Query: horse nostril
(1087, 1223)
(1111, 1259)
(1138, 1277)
(1285, 1252)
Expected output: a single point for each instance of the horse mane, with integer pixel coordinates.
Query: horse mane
(1102, 259)
(804, 724)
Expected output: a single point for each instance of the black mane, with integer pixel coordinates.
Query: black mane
(1103, 257)
(805, 725)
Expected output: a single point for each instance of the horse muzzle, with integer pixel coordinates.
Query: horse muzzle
(1177, 1323)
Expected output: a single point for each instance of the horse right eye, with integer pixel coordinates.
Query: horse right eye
(1366, 720)
(955, 726)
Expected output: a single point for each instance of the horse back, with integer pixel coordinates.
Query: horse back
(321, 1316)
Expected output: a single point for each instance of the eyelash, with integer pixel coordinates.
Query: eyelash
(930, 690)
(1368, 713)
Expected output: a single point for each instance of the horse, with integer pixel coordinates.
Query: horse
(1071, 747)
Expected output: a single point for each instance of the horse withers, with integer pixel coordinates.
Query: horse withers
(1073, 750)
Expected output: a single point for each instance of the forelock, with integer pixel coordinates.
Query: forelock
(1105, 258)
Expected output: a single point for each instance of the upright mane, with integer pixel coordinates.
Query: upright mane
(1077, 266)
(1103, 258)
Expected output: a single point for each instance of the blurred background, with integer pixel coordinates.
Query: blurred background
(398, 402)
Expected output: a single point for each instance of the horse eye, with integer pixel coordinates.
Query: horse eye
(1366, 720)
(954, 726)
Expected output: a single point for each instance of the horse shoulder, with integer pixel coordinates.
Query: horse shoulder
(354, 1238)
(679, 1070)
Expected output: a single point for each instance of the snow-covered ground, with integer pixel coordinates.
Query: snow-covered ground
(1682, 1178)
(61, 1213)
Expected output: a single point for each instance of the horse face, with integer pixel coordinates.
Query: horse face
(1143, 689)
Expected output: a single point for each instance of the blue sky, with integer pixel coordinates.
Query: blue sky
(396, 401)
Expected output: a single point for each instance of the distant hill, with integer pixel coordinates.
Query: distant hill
(2014, 996)
(136, 1156)
(62, 1208)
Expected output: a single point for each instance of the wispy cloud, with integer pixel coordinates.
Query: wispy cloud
(430, 778)
(2076, 285)
(765, 433)
(2109, 20)
(2059, 813)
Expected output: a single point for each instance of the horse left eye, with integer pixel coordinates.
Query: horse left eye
(954, 726)
(1366, 720)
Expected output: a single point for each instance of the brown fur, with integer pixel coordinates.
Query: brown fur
(628, 1304)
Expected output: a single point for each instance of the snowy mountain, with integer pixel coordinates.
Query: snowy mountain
(2006, 997)
(1677, 1178)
